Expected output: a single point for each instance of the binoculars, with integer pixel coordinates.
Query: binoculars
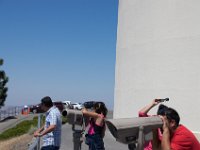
(125, 130)
(129, 130)
(75, 117)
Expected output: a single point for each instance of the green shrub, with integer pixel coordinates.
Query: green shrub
(20, 129)
(64, 120)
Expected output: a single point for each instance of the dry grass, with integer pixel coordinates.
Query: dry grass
(16, 143)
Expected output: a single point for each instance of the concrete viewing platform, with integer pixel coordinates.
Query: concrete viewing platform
(67, 134)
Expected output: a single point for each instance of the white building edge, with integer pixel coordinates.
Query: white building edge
(158, 56)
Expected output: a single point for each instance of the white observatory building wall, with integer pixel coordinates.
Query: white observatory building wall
(158, 56)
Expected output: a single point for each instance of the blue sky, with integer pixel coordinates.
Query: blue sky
(62, 48)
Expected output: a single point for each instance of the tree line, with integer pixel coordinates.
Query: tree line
(3, 82)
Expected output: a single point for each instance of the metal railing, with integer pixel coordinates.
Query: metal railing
(35, 145)
(6, 112)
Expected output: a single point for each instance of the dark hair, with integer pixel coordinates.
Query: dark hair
(161, 110)
(100, 107)
(47, 101)
(172, 114)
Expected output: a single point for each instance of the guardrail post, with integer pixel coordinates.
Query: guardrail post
(141, 138)
(15, 111)
(36, 144)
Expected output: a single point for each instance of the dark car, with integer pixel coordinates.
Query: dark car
(37, 108)
(59, 105)
(89, 104)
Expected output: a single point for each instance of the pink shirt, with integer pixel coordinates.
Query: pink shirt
(91, 128)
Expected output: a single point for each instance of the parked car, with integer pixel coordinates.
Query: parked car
(59, 105)
(77, 106)
(37, 108)
(89, 104)
(67, 104)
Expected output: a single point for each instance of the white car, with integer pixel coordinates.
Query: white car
(77, 106)
(67, 104)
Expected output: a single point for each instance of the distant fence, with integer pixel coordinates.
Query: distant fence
(6, 112)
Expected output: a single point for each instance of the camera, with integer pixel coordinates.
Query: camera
(162, 100)
(133, 130)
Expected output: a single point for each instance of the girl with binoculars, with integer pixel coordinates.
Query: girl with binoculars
(96, 131)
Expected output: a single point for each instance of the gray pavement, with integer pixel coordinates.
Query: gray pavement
(67, 140)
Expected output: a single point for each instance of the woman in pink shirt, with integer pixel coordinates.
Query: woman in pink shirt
(144, 113)
(94, 137)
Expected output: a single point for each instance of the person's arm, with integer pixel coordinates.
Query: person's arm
(37, 132)
(165, 143)
(47, 130)
(143, 112)
(50, 128)
(98, 117)
(40, 132)
(89, 113)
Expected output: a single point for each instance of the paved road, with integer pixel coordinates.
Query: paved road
(67, 140)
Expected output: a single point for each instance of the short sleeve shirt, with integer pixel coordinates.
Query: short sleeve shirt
(53, 117)
(184, 139)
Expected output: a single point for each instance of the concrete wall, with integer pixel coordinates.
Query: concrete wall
(158, 56)
(197, 134)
